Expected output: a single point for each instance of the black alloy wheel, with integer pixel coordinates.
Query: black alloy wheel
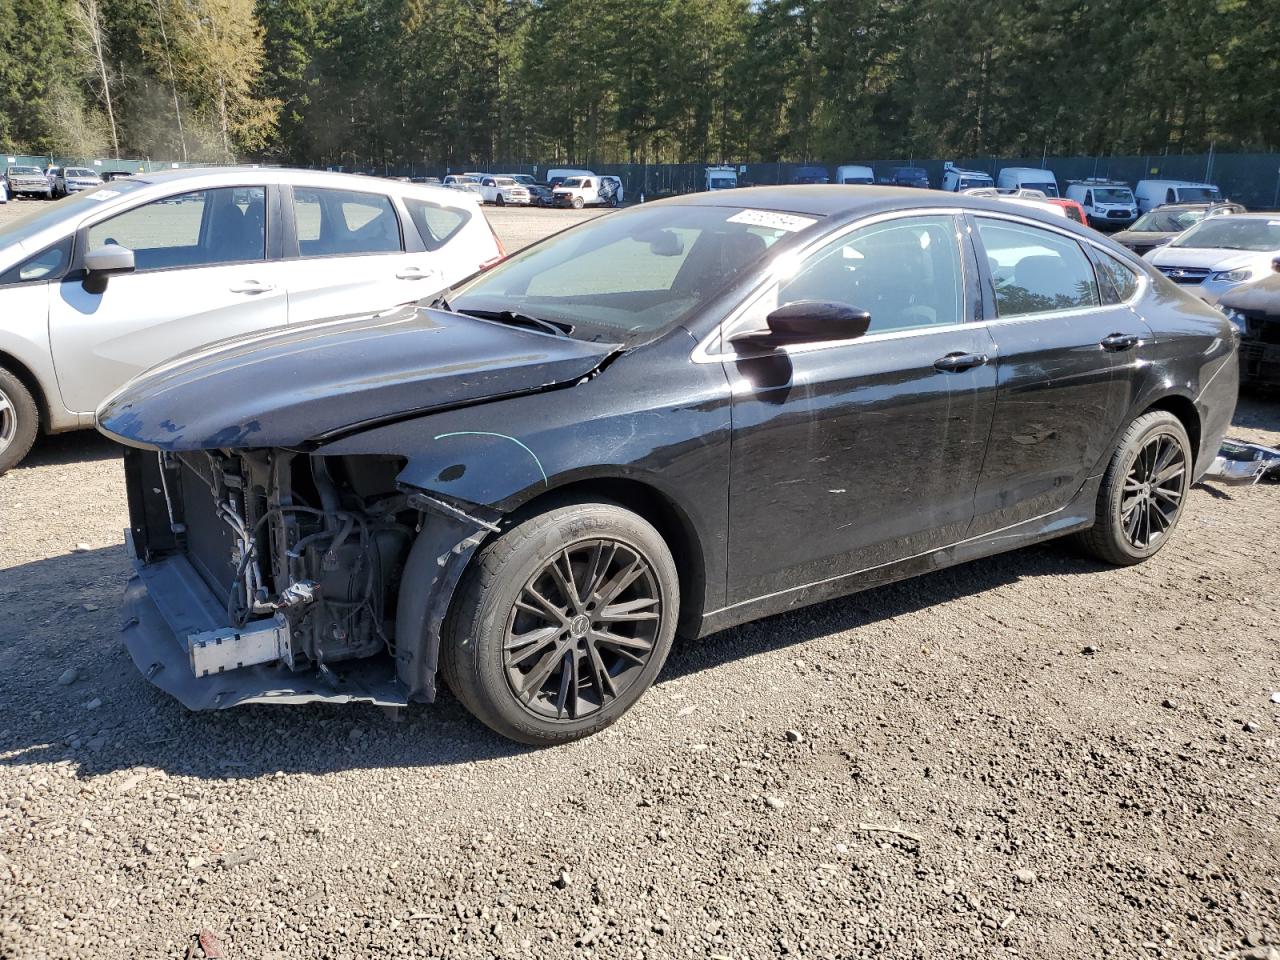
(582, 630)
(1143, 491)
(562, 622)
(1153, 491)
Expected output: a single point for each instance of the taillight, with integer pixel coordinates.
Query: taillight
(502, 251)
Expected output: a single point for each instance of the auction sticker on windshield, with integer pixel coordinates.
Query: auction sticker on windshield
(789, 222)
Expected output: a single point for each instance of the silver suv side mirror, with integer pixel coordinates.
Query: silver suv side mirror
(106, 262)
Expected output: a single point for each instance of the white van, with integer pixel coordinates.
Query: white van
(1152, 193)
(1031, 178)
(852, 173)
(590, 190)
(558, 176)
(721, 178)
(1106, 203)
(956, 179)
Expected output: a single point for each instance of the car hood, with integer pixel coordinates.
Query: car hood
(1262, 296)
(1211, 258)
(300, 385)
(1143, 237)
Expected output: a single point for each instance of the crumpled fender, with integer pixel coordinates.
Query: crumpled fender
(436, 563)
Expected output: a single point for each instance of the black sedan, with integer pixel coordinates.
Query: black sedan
(668, 420)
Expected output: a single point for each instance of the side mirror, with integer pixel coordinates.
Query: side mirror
(663, 243)
(105, 262)
(806, 321)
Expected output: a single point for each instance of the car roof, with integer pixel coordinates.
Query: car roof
(833, 199)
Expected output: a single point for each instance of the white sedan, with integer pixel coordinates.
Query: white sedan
(101, 285)
(1220, 253)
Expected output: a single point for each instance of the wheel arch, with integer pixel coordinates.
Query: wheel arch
(658, 509)
(1184, 409)
(29, 380)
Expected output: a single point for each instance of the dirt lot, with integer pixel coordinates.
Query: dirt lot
(934, 769)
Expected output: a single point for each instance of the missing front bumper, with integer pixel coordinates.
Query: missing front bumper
(166, 602)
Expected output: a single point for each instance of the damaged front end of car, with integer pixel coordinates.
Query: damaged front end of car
(278, 576)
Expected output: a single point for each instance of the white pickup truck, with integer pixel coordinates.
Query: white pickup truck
(502, 190)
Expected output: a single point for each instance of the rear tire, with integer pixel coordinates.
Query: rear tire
(562, 623)
(19, 420)
(1143, 492)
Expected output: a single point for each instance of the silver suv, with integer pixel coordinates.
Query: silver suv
(28, 181)
(110, 281)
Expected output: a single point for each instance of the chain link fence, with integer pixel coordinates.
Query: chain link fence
(1249, 178)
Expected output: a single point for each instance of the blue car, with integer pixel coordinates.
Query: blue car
(908, 177)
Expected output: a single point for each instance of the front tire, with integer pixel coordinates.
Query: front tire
(578, 203)
(562, 624)
(1143, 491)
(500, 201)
(19, 420)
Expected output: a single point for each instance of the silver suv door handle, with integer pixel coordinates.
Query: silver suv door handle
(415, 273)
(253, 286)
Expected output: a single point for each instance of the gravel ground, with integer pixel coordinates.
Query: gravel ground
(1030, 755)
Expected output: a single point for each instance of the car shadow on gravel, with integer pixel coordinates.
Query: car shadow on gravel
(79, 446)
(69, 693)
(109, 718)
(877, 604)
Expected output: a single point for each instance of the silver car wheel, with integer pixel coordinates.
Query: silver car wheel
(8, 422)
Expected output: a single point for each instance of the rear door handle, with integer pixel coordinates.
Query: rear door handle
(959, 362)
(1120, 341)
(253, 286)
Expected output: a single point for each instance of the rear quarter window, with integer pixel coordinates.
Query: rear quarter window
(1118, 282)
(435, 223)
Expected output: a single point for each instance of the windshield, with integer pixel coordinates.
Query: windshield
(629, 275)
(1112, 195)
(1231, 233)
(524, 179)
(1168, 221)
(572, 182)
(967, 183)
(1193, 194)
(79, 172)
(48, 214)
(505, 182)
(1048, 189)
(26, 171)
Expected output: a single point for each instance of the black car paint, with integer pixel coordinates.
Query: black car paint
(1258, 304)
(730, 455)
(302, 384)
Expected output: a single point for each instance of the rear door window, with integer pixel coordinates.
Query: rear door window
(1035, 270)
(333, 223)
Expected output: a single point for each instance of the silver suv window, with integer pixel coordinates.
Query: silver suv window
(345, 223)
(197, 229)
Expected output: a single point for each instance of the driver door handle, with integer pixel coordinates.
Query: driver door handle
(1120, 341)
(414, 273)
(959, 362)
(253, 286)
